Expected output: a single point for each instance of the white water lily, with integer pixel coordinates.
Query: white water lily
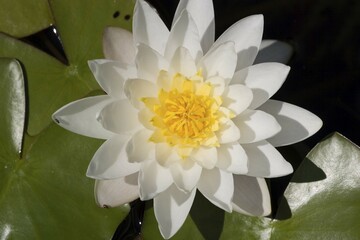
(184, 113)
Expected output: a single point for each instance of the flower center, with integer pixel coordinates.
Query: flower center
(185, 115)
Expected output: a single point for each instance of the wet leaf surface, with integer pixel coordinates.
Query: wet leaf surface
(43, 191)
(20, 18)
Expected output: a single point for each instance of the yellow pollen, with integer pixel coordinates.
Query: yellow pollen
(186, 115)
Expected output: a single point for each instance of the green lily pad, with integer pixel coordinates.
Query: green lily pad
(43, 191)
(52, 84)
(323, 198)
(329, 208)
(20, 18)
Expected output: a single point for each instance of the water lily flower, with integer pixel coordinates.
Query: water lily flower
(183, 112)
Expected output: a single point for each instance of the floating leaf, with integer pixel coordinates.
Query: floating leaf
(21, 18)
(52, 84)
(328, 208)
(43, 190)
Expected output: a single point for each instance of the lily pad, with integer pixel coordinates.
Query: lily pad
(43, 191)
(323, 197)
(328, 208)
(20, 18)
(52, 84)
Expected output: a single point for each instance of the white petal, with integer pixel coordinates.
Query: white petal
(149, 63)
(205, 156)
(120, 117)
(171, 209)
(116, 192)
(264, 79)
(232, 158)
(164, 80)
(165, 154)
(296, 123)
(218, 84)
(81, 117)
(186, 174)
(136, 89)
(246, 34)
(251, 196)
(184, 33)
(220, 61)
(237, 98)
(218, 187)
(228, 132)
(139, 148)
(145, 116)
(203, 15)
(274, 51)
(153, 179)
(110, 160)
(183, 63)
(118, 45)
(265, 160)
(111, 75)
(256, 125)
(148, 28)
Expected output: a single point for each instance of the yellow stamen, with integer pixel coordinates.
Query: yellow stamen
(186, 115)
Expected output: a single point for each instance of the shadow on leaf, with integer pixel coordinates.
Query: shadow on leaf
(306, 172)
(208, 218)
(283, 211)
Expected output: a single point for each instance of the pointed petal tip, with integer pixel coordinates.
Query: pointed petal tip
(297, 123)
(124, 52)
(228, 208)
(287, 68)
(141, 3)
(55, 118)
(318, 123)
(88, 172)
(148, 27)
(59, 120)
(258, 18)
(202, 13)
(247, 34)
(314, 125)
(92, 64)
(184, 33)
(289, 169)
(284, 169)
